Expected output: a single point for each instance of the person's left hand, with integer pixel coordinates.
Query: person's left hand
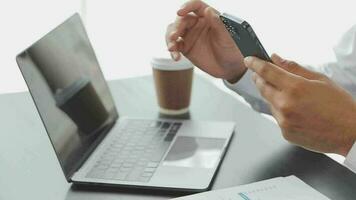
(311, 110)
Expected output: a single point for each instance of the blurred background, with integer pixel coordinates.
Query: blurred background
(127, 34)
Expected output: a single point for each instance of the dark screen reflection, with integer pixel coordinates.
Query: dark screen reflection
(69, 90)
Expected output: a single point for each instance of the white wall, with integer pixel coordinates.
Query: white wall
(126, 34)
(22, 22)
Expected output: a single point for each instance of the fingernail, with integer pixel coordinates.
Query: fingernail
(175, 55)
(172, 55)
(248, 60)
(280, 59)
(179, 12)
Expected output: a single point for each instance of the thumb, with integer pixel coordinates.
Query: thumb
(294, 67)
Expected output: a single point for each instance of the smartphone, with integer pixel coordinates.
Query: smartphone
(244, 37)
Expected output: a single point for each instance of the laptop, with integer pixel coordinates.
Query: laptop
(96, 146)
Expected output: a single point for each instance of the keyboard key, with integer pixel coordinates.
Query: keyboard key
(119, 160)
(112, 170)
(169, 137)
(125, 169)
(142, 163)
(121, 175)
(149, 169)
(101, 167)
(166, 125)
(135, 174)
(156, 124)
(107, 159)
(161, 134)
(116, 165)
(144, 179)
(131, 160)
(109, 175)
(176, 126)
(96, 173)
(147, 174)
(143, 159)
(153, 164)
(129, 165)
(159, 152)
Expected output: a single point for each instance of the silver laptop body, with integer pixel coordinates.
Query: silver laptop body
(96, 146)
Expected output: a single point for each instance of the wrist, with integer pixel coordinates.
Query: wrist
(344, 151)
(234, 79)
(349, 141)
(350, 138)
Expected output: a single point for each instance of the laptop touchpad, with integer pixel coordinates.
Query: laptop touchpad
(196, 152)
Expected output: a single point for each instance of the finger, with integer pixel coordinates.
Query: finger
(175, 55)
(169, 30)
(193, 35)
(217, 27)
(195, 6)
(172, 46)
(215, 22)
(269, 92)
(170, 43)
(175, 47)
(294, 67)
(182, 24)
(272, 74)
(177, 30)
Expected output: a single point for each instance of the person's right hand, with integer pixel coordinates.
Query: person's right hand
(199, 34)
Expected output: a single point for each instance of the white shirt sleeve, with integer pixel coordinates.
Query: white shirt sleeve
(247, 89)
(342, 71)
(350, 160)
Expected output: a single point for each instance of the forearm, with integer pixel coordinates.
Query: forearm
(344, 76)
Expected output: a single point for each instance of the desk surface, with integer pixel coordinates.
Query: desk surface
(29, 169)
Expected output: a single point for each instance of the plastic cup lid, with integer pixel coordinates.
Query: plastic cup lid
(169, 64)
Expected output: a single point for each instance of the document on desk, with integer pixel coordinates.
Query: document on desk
(281, 188)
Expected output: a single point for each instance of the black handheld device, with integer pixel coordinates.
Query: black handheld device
(244, 37)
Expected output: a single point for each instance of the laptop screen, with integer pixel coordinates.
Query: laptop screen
(69, 91)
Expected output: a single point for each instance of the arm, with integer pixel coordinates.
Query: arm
(312, 111)
(329, 124)
(343, 72)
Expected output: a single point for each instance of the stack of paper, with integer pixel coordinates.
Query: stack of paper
(286, 188)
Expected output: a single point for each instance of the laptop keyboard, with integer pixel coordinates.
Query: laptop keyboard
(135, 151)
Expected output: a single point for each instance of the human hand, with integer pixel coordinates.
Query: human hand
(199, 35)
(311, 110)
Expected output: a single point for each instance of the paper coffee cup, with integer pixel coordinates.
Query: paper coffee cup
(173, 82)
